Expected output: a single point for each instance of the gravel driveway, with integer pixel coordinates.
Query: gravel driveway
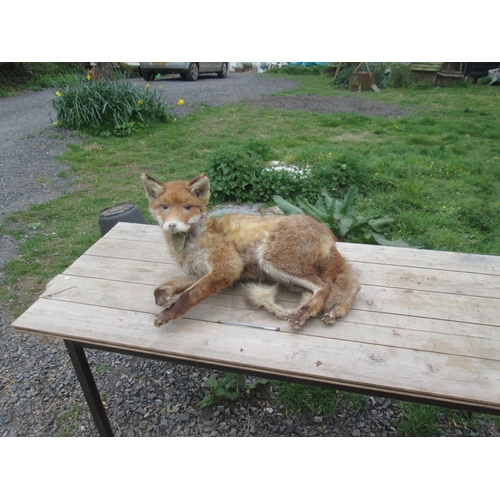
(40, 395)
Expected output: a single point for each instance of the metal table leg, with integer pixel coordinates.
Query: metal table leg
(86, 379)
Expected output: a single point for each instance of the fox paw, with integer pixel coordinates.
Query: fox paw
(329, 318)
(297, 322)
(164, 317)
(162, 299)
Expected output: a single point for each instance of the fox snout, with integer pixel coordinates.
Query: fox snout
(176, 227)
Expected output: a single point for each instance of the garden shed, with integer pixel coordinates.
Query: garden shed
(438, 73)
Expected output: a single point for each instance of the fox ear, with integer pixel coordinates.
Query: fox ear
(153, 187)
(200, 187)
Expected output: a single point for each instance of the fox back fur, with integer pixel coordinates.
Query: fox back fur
(296, 251)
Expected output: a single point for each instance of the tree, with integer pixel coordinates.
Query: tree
(105, 70)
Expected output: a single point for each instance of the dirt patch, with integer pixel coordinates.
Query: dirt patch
(329, 104)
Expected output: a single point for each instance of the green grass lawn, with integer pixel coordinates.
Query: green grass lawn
(435, 170)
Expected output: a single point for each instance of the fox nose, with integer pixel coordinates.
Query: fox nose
(172, 226)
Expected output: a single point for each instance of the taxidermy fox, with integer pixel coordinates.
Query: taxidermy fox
(296, 251)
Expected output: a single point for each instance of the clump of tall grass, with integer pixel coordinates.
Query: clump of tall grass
(105, 107)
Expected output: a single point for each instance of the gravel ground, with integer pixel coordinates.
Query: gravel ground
(40, 395)
(329, 104)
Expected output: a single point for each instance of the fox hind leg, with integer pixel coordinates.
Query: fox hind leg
(307, 279)
(311, 308)
(342, 296)
(259, 295)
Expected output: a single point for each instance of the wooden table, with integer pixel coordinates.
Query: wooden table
(424, 327)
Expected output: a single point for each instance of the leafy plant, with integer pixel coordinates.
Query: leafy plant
(234, 175)
(340, 216)
(244, 174)
(229, 388)
(111, 106)
(125, 129)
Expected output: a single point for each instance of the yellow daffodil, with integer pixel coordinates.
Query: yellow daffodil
(180, 102)
(58, 94)
(148, 85)
(55, 124)
(160, 87)
(89, 77)
(140, 102)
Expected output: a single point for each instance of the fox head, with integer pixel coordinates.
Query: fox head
(178, 205)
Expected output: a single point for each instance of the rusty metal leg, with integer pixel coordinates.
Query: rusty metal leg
(86, 379)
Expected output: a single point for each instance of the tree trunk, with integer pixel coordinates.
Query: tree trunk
(105, 70)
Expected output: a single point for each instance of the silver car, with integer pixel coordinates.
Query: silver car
(187, 70)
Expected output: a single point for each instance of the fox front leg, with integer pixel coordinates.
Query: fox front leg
(206, 287)
(165, 292)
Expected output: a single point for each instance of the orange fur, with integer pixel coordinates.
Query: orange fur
(296, 251)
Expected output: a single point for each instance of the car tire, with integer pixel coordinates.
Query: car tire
(149, 77)
(193, 72)
(223, 71)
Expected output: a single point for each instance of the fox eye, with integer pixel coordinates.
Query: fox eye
(164, 207)
(188, 207)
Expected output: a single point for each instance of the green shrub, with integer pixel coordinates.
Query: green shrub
(342, 80)
(25, 73)
(234, 174)
(484, 80)
(296, 69)
(244, 174)
(15, 76)
(108, 106)
(400, 76)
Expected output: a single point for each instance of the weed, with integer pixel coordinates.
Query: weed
(68, 421)
(230, 388)
(102, 368)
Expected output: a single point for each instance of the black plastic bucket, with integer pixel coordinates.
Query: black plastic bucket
(123, 212)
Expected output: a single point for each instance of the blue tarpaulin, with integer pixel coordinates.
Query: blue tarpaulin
(309, 63)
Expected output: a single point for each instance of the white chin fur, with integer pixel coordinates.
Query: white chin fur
(180, 227)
